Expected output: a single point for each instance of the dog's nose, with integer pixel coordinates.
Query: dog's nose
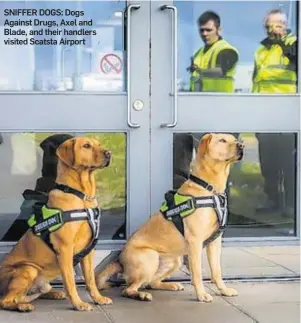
(240, 145)
(107, 154)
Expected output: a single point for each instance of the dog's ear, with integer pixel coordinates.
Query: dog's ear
(66, 152)
(204, 144)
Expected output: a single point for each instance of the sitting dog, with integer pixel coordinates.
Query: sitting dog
(62, 233)
(193, 217)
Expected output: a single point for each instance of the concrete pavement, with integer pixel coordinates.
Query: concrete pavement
(256, 302)
(259, 301)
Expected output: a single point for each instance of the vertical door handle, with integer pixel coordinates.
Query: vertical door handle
(128, 63)
(174, 65)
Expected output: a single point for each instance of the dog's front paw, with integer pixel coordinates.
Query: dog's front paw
(101, 300)
(229, 292)
(205, 297)
(82, 306)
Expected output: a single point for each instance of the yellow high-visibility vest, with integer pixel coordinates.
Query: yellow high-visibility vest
(275, 73)
(207, 60)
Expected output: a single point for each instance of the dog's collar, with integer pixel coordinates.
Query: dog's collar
(202, 183)
(70, 190)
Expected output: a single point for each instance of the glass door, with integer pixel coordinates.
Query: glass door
(79, 68)
(213, 73)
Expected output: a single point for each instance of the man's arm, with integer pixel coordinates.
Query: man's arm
(290, 51)
(225, 61)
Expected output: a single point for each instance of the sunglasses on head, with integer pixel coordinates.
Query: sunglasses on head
(205, 29)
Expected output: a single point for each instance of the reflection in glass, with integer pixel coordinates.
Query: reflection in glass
(261, 188)
(255, 52)
(94, 63)
(24, 164)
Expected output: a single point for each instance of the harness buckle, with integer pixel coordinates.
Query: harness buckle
(209, 187)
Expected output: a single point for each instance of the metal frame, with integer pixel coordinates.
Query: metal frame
(266, 113)
(98, 112)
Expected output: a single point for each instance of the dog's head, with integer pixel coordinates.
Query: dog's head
(82, 153)
(220, 147)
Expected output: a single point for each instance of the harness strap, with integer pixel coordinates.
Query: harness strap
(202, 183)
(54, 219)
(70, 190)
(178, 206)
(92, 215)
(94, 218)
(214, 236)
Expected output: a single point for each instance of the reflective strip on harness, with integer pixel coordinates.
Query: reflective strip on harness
(221, 208)
(75, 215)
(94, 222)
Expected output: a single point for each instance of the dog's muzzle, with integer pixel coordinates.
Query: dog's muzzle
(240, 150)
(107, 155)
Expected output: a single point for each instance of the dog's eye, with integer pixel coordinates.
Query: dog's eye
(222, 140)
(87, 146)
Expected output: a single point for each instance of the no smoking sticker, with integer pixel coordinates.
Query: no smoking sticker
(111, 64)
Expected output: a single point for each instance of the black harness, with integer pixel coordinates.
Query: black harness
(178, 206)
(46, 220)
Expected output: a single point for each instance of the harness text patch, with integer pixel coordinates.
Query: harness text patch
(47, 224)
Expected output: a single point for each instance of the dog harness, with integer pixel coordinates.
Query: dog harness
(178, 206)
(46, 220)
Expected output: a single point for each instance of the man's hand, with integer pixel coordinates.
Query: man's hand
(193, 67)
(277, 30)
(287, 40)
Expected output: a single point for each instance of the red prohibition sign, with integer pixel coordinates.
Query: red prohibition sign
(111, 63)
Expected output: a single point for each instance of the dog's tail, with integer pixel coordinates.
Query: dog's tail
(107, 268)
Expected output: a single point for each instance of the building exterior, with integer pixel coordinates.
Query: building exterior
(128, 85)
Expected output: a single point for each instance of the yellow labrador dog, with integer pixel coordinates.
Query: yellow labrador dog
(189, 218)
(62, 232)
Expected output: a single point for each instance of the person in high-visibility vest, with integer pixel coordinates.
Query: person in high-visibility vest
(276, 57)
(275, 72)
(213, 66)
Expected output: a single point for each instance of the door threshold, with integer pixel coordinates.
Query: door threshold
(251, 279)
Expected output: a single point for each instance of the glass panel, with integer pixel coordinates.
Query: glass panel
(218, 53)
(25, 165)
(62, 46)
(261, 188)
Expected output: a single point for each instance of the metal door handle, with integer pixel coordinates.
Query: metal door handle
(174, 64)
(128, 63)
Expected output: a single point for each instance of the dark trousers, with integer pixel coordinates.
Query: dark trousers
(277, 154)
